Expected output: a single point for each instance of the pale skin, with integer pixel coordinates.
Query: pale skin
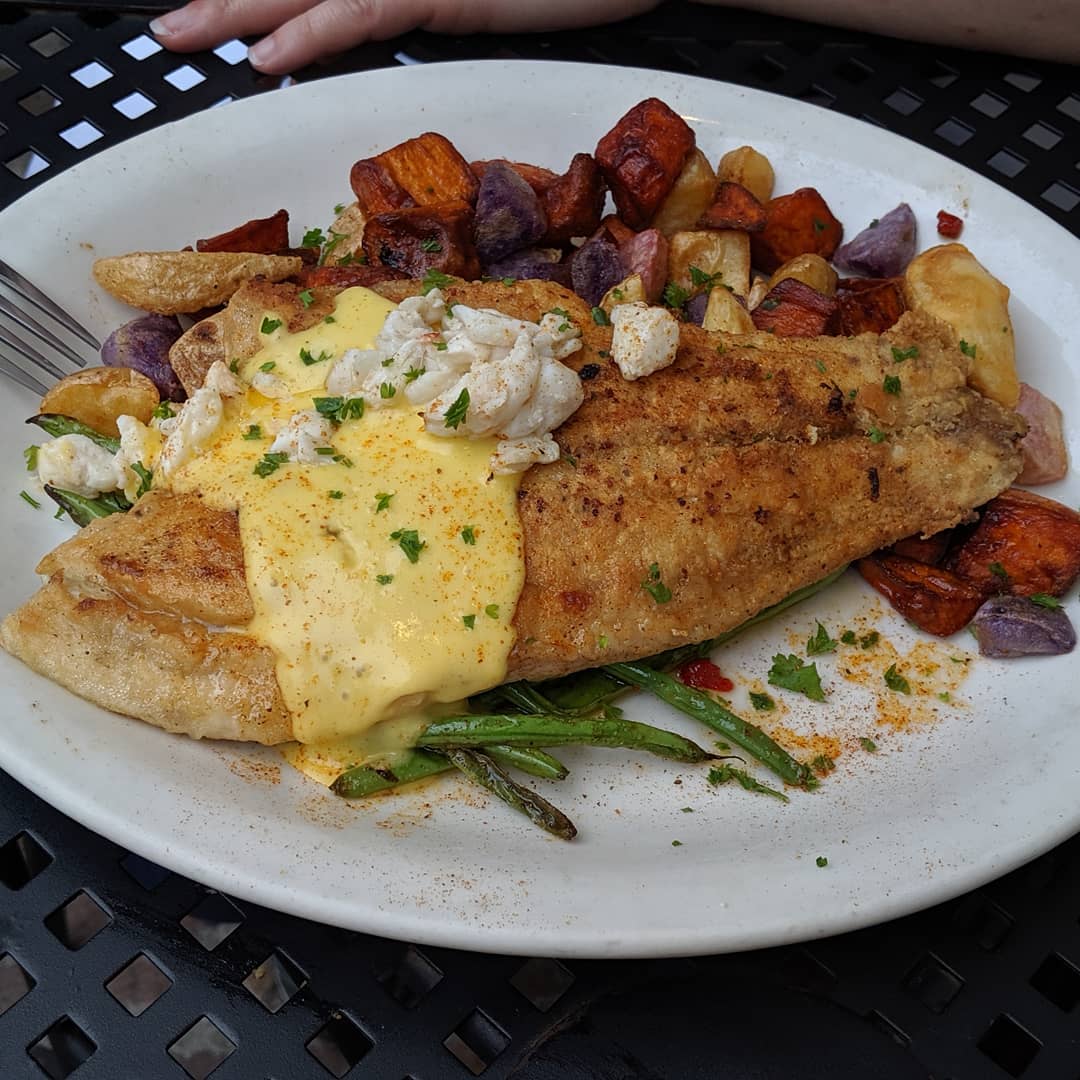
(296, 32)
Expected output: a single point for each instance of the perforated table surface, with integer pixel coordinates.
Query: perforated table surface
(111, 967)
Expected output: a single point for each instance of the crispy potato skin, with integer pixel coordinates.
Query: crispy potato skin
(267, 236)
(97, 396)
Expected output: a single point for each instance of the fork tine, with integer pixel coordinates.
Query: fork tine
(29, 352)
(28, 322)
(23, 378)
(30, 292)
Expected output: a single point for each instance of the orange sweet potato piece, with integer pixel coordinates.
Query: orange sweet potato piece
(344, 277)
(376, 190)
(794, 225)
(421, 238)
(574, 201)
(874, 305)
(928, 549)
(734, 208)
(1024, 544)
(264, 236)
(617, 232)
(641, 158)
(935, 600)
(537, 177)
(793, 309)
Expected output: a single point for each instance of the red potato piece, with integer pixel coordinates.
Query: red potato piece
(641, 158)
(1045, 456)
(345, 277)
(1024, 544)
(875, 305)
(734, 208)
(646, 254)
(935, 600)
(792, 309)
(422, 238)
(574, 201)
(795, 224)
(263, 236)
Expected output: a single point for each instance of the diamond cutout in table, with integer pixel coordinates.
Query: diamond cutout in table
(15, 982)
(275, 982)
(887, 1027)
(22, 858)
(133, 106)
(28, 163)
(1023, 81)
(954, 131)
(477, 1041)
(1009, 1045)
(1043, 136)
(990, 105)
(411, 977)
(854, 71)
(986, 921)
(1070, 106)
(940, 75)
(91, 75)
(339, 1044)
(933, 982)
(1062, 196)
(39, 102)
(78, 920)
(149, 875)
(7, 69)
(50, 43)
(1007, 163)
(904, 101)
(185, 77)
(766, 69)
(201, 1049)
(541, 982)
(139, 48)
(62, 1049)
(232, 52)
(1058, 981)
(223, 101)
(212, 920)
(817, 95)
(81, 135)
(138, 984)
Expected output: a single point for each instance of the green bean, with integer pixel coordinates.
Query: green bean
(82, 510)
(514, 729)
(710, 712)
(532, 761)
(57, 425)
(482, 770)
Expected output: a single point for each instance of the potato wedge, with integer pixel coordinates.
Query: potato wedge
(751, 169)
(691, 196)
(176, 282)
(811, 270)
(629, 290)
(724, 313)
(795, 224)
(948, 282)
(723, 254)
(97, 396)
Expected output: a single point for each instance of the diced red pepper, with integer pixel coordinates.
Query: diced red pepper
(705, 675)
(949, 225)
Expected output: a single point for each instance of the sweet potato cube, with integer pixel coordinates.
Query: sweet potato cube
(792, 309)
(537, 177)
(264, 236)
(376, 190)
(616, 230)
(421, 238)
(734, 208)
(794, 225)
(1024, 544)
(574, 201)
(642, 156)
(935, 600)
(431, 170)
(872, 306)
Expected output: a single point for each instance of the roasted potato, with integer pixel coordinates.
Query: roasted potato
(646, 253)
(811, 270)
(536, 176)
(595, 267)
(948, 282)
(884, 248)
(723, 254)
(422, 238)
(345, 277)
(872, 305)
(629, 290)
(1046, 458)
(347, 235)
(795, 224)
(689, 198)
(175, 282)
(934, 599)
(723, 312)
(266, 236)
(143, 344)
(574, 201)
(792, 309)
(749, 168)
(925, 549)
(97, 396)
(509, 215)
(733, 208)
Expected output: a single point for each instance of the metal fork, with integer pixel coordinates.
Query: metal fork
(48, 351)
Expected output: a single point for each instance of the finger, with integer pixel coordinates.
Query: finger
(333, 26)
(203, 24)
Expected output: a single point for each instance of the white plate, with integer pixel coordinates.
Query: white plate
(939, 809)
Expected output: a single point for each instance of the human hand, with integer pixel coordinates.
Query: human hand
(300, 31)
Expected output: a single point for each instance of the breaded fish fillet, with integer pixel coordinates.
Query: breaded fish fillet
(751, 467)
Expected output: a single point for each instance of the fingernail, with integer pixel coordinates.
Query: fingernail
(171, 23)
(262, 52)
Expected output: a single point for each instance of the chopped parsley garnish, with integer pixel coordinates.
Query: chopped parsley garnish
(313, 238)
(891, 385)
(414, 373)
(790, 673)
(351, 257)
(700, 279)
(853, 393)
(900, 355)
(339, 409)
(382, 500)
(389, 361)
(455, 415)
(338, 207)
(492, 611)
(945, 696)
(331, 243)
(600, 317)
(341, 459)
(430, 244)
(234, 367)
(895, 681)
(30, 457)
(819, 225)
(329, 319)
(848, 637)
(558, 311)
(1046, 600)
(306, 297)
(654, 586)
(308, 359)
(687, 809)
(868, 641)
(570, 460)
(675, 295)
(770, 304)
(998, 571)
(868, 744)
(268, 366)
(441, 346)
(163, 411)
(725, 773)
(823, 764)
(409, 541)
(820, 642)
(876, 435)
(387, 391)
(873, 223)
(602, 641)
(762, 702)
(469, 621)
(435, 279)
(968, 350)
(27, 497)
(468, 534)
(335, 494)
(820, 365)
(676, 843)
(270, 463)
(821, 862)
(146, 478)
(604, 353)
(269, 325)
(384, 579)
(253, 432)
(508, 281)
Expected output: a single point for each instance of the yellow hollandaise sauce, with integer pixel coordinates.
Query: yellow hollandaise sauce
(385, 576)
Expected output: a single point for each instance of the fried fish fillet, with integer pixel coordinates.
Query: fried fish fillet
(751, 467)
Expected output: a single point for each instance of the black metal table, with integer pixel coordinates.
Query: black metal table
(117, 968)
